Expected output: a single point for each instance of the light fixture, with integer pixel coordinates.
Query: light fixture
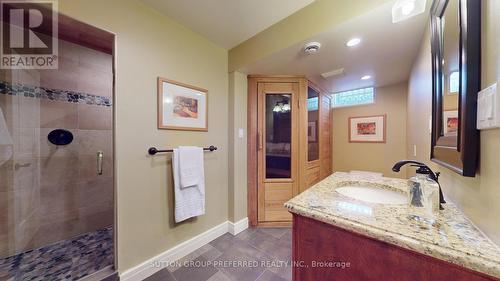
(353, 42)
(405, 9)
(366, 77)
(278, 107)
(312, 47)
(282, 107)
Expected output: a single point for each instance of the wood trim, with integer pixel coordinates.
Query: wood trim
(283, 180)
(273, 224)
(252, 141)
(270, 78)
(317, 88)
(302, 137)
(313, 164)
(356, 117)
(252, 152)
(162, 80)
(261, 160)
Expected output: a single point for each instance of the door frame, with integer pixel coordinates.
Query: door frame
(252, 141)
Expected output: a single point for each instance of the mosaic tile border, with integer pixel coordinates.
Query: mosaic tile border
(53, 94)
(69, 259)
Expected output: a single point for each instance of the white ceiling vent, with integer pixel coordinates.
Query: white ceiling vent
(336, 72)
(312, 47)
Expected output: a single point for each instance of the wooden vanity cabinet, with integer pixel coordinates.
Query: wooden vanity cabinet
(359, 257)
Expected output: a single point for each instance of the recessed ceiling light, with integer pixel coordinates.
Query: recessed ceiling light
(353, 42)
(405, 9)
(366, 77)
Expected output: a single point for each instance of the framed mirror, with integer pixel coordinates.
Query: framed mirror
(456, 74)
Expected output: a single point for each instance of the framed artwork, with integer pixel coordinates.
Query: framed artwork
(367, 129)
(450, 122)
(182, 106)
(311, 131)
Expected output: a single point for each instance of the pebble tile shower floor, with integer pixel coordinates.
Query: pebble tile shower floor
(268, 248)
(65, 260)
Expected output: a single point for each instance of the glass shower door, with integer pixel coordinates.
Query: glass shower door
(56, 167)
(19, 171)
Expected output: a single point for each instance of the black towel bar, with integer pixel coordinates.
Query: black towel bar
(154, 150)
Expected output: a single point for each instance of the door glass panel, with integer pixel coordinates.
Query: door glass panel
(312, 124)
(278, 135)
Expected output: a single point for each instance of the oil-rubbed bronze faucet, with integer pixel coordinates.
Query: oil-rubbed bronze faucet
(422, 169)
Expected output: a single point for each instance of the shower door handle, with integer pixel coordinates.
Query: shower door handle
(100, 155)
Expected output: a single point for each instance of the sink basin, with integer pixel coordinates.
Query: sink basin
(373, 194)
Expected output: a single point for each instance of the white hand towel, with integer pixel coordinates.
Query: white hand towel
(189, 202)
(5, 141)
(191, 165)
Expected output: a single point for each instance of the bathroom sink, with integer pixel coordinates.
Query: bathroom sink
(373, 194)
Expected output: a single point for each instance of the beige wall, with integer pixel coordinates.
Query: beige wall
(237, 146)
(150, 45)
(376, 157)
(479, 197)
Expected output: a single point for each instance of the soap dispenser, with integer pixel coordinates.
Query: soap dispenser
(424, 193)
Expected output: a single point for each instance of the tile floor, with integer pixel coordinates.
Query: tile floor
(261, 254)
(65, 260)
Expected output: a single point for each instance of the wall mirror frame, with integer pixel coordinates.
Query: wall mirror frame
(461, 156)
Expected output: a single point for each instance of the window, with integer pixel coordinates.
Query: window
(454, 82)
(354, 97)
(312, 103)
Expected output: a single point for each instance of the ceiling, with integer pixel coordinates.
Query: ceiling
(386, 52)
(227, 22)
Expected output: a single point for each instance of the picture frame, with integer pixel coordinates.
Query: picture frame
(182, 106)
(368, 129)
(450, 122)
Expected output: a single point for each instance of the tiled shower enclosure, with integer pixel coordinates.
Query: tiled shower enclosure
(51, 196)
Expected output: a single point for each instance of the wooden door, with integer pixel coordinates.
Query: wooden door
(326, 136)
(277, 149)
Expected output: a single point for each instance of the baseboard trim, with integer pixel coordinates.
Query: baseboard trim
(237, 227)
(148, 268)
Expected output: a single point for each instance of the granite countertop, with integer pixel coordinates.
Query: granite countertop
(452, 237)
